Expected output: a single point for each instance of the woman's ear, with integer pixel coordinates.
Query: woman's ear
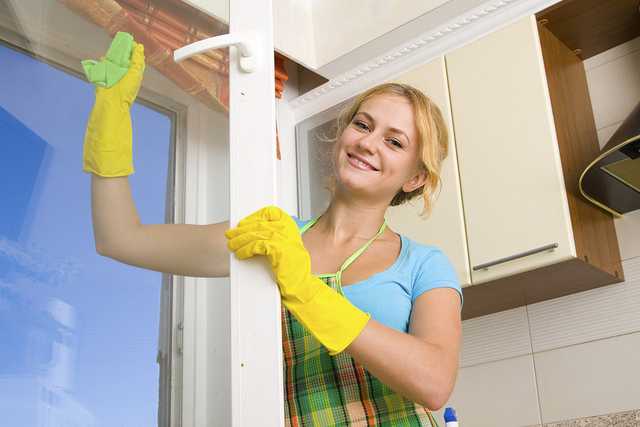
(417, 181)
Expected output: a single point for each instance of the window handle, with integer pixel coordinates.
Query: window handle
(245, 43)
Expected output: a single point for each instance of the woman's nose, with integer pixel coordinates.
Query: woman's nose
(368, 142)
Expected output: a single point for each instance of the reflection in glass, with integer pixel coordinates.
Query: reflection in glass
(78, 332)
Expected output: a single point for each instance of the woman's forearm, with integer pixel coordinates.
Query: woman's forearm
(183, 249)
(421, 372)
(113, 211)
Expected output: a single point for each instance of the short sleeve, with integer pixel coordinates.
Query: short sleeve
(435, 271)
(298, 221)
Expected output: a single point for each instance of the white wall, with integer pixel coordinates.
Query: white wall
(575, 356)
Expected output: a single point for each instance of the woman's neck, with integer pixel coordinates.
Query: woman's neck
(342, 222)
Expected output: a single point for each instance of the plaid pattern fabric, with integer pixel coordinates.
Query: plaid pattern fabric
(324, 390)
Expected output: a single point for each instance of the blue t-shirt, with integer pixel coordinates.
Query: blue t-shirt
(389, 295)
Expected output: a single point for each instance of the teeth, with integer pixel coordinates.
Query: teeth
(361, 163)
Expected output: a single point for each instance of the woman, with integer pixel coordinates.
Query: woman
(373, 340)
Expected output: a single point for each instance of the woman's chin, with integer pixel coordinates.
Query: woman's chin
(354, 181)
(356, 186)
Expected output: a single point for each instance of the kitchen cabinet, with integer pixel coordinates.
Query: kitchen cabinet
(520, 137)
(512, 184)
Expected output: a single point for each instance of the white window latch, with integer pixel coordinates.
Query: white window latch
(246, 45)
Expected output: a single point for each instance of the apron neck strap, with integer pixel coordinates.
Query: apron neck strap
(363, 248)
(308, 225)
(357, 253)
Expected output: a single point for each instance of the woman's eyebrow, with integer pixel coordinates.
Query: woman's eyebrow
(364, 113)
(395, 130)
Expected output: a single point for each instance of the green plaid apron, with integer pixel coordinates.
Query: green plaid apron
(324, 390)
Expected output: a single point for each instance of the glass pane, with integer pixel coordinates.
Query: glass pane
(79, 332)
(314, 139)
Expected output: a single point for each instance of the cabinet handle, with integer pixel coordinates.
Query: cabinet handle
(512, 257)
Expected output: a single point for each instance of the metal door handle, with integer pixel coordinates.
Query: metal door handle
(512, 257)
(245, 43)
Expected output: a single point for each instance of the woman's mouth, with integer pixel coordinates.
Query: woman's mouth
(359, 163)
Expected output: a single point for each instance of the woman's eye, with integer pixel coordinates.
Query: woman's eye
(395, 142)
(361, 125)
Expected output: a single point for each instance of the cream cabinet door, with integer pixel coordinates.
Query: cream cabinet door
(512, 186)
(445, 227)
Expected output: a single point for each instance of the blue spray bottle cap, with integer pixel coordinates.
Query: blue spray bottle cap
(450, 415)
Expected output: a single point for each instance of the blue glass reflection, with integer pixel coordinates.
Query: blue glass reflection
(78, 332)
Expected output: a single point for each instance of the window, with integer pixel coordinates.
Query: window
(78, 332)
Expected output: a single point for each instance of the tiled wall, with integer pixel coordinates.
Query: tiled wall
(575, 360)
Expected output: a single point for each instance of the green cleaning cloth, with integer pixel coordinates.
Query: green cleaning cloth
(111, 68)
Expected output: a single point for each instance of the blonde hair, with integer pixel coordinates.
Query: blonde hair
(433, 139)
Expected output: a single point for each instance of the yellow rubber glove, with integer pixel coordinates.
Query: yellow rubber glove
(326, 314)
(107, 147)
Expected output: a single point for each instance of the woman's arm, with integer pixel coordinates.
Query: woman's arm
(423, 364)
(188, 250)
(183, 249)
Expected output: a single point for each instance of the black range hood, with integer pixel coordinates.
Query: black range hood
(612, 180)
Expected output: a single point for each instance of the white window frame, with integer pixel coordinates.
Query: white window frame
(255, 388)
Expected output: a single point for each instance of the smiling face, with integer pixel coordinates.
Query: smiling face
(378, 152)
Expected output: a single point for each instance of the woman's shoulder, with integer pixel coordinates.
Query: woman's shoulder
(430, 268)
(423, 256)
(420, 250)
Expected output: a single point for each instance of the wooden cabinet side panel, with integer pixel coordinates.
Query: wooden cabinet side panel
(593, 229)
